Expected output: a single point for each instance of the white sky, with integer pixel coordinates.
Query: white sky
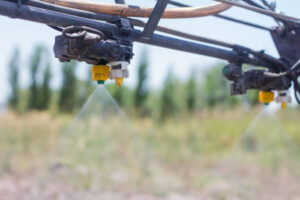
(25, 35)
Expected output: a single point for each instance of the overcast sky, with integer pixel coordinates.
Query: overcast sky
(25, 35)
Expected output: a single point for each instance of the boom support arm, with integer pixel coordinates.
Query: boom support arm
(113, 46)
(34, 14)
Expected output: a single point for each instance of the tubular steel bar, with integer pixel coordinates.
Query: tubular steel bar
(109, 18)
(135, 22)
(72, 11)
(269, 13)
(136, 11)
(265, 56)
(175, 3)
(14, 10)
(156, 14)
(243, 22)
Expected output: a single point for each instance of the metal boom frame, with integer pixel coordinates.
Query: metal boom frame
(52, 18)
(115, 36)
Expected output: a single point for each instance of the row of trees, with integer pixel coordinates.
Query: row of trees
(39, 95)
(39, 89)
(198, 92)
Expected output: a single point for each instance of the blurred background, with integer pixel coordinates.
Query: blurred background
(171, 132)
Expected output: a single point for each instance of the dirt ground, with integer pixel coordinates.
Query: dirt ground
(28, 188)
(191, 156)
(227, 182)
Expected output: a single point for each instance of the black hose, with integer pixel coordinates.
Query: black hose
(56, 28)
(293, 72)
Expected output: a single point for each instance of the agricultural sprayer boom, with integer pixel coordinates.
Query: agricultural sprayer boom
(103, 35)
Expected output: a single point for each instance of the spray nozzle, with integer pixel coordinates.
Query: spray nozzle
(283, 97)
(100, 73)
(118, 71)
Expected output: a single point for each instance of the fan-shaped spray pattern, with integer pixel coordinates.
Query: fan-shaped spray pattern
(261, 159)
(102, 149)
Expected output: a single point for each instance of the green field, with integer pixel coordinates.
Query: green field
(213, 154)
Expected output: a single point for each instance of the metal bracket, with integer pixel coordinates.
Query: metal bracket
(242, 54)
(154, 18)
(125, 27)
(287, 41)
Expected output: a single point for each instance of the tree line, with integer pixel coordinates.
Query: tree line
(174, 96)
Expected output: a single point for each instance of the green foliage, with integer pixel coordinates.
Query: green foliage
(36, 64)
(14, 79)
(168, 105)
(84, 89)
(68, 93)
(173, 97)
(122, 95)
(216, 89)
(185, 143)
(119, 95)
(191, 92)
(142, 90)
(252, 97)
(45, 89)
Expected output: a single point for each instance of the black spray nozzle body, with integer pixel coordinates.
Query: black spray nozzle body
(261, 80)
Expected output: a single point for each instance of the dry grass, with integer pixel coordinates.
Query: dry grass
(26, 139)
(197, 153)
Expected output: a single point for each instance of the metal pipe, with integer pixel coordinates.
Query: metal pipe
(266, 57)
(155, 17)
(175, 3)
(243, 22)
(134, 11)
(72, 11)
(63, 20)
(135, 22)
(269, 13)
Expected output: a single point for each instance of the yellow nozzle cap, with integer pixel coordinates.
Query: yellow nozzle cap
(283, 105)
(266, 97)
(119, 82)
(100, 72)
